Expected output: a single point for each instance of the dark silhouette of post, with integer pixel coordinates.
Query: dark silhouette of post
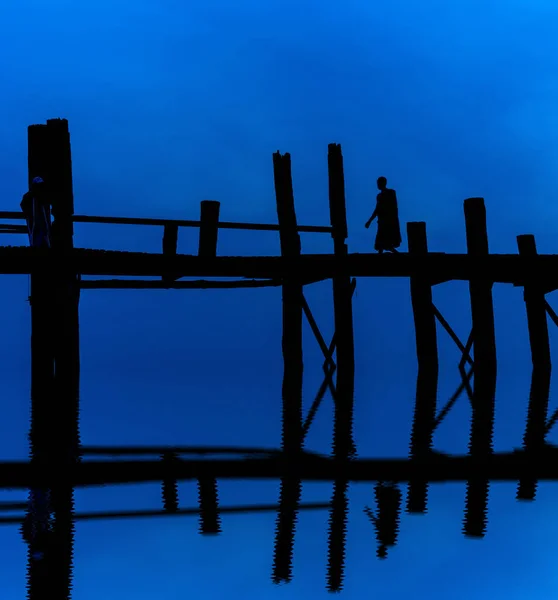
(65, 403)
(209, 227)
(169, 488)
(343, 443)
(170, 248)
(208, 499)
(427, 377)
(484, 363)
(43, 421)
(170, 239)
(535, 305)
(291, 488)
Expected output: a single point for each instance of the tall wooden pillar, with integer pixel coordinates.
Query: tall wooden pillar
(209, 227)
(291, 489)
(55, 357)
(427, 377)
(484, 386)
(535, 305)
(345, 359)
(43, 422)
(66, 350)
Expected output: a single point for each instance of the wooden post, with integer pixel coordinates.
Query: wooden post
(210, 521)
(345, 359)
(209, 221)
(291, 488)
(535, 304)
(60, 184)
(38, 152)
(170, 247)
(43, 422)
(484, 389)
(170, 485)
(170, 239)
(65, 403)
(427, 377)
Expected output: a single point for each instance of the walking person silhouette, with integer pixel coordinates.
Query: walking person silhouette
(389, 233)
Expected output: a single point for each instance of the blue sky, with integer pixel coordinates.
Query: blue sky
(170, 103)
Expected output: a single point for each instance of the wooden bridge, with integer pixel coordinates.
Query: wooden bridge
(59, 463)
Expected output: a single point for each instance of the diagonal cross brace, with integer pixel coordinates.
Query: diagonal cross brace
(329, 366)
(464, 349)
(551, 313)
(317, 334)
(326, 383)
(551, 422)
(465, 385)
(554, 317)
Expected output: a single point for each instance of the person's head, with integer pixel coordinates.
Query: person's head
(382, 183)
(37, 185)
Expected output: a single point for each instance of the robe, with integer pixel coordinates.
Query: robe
(37, 215)
(389, 232)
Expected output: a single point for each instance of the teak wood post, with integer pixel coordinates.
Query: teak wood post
(65, 403)
(484, 363)
(43, 423)
(535, 305)
(209, 227)
(345, 360)
(427, 377)
(170, 247)
(291, 488)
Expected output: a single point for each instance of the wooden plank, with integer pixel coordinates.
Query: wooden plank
(290, 488)
(203, 284)
(503, 466)
(160, 450)
(484, 388)
(150, 513)
(535, 431)
(176, 222)
(427, 377)
(10, 227)
(343, 442)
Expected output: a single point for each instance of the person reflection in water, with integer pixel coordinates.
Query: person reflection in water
(389, 234)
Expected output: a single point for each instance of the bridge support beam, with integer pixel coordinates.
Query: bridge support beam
(427, 377)
(484, 385)
(343, 447)
(292, 433)
(535, 305)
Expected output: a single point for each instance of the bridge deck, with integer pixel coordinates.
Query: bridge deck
(437, 267)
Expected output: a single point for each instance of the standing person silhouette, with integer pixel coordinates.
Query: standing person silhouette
(389, 234)
(35, 205)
